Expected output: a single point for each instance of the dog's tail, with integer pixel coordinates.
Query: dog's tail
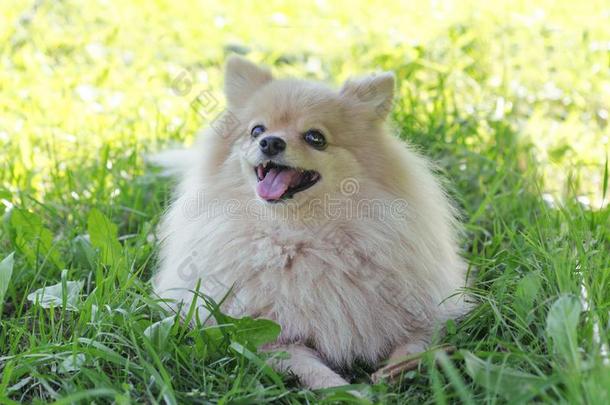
(173, 162)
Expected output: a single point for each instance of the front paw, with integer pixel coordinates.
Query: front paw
(322, 381)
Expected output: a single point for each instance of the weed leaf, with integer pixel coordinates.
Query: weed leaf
(103, 235)
(72, 363)
(256, 332)
(159, 331)
(505, 381)
(32, 238)
(67, 292)
(525, 294)
(561, 324)
(6, 271)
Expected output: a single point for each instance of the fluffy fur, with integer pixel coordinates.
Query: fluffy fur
(362, 265)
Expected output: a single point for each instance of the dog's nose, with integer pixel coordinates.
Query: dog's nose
(272, 145)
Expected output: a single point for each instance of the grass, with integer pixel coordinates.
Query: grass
(510, 98)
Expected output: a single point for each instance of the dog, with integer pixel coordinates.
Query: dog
(298, 206)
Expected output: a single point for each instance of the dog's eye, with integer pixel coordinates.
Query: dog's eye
(257, 130)
(315, 139)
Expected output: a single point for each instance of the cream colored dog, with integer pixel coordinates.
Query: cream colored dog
(298, 207)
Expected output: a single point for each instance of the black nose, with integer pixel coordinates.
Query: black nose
(272, 145)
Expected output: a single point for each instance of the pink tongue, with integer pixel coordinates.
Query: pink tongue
(275, 183)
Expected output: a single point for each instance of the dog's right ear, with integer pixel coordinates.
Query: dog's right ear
(242, 79)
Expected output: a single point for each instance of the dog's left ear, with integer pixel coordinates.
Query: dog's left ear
(242, 79)
(372, 93)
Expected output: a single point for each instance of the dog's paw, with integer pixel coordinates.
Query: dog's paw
(326, 381)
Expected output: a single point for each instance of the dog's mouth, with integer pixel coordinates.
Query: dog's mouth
(278, 182)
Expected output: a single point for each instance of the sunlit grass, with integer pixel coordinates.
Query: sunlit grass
(512, 98)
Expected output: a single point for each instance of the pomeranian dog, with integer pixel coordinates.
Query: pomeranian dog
(297, 206)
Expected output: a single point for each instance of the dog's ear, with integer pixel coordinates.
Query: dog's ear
(372, 93)
(242, 79)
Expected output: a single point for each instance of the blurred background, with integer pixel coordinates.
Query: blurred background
(84, 82)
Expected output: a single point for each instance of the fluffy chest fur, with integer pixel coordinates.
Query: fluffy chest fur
(350, 289)
(333, 296)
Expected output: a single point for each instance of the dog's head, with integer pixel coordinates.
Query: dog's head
(299, 139)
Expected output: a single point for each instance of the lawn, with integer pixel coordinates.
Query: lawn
(511, 98)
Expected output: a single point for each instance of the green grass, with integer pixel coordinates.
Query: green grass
(510, 98)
